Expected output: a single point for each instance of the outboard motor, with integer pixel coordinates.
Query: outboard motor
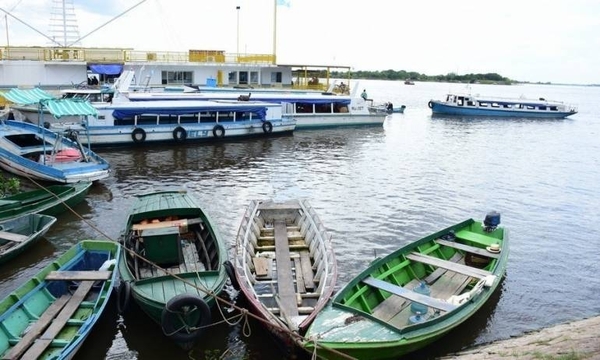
(491, 221)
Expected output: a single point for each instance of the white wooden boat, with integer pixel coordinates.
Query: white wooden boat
(35, 152)
(284, 265)
(168, 121)
(475, 105)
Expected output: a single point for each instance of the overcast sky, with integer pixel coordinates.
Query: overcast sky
(530, 40)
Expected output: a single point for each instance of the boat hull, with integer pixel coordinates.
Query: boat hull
(375, 316)
(30, 309)
(28, 228)
(442, 108)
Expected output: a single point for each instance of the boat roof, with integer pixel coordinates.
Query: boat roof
(57, 107)
(507, 100)
(280, 97)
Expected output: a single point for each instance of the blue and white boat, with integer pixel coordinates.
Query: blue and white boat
(475, 105)
(310, 109)
(134, 123)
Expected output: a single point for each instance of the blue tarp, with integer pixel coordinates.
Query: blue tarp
(123, 113)
(106, 69)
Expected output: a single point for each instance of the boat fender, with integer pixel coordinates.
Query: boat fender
(218, 131)
(229, 269)
(430, 104)
(123, 295)
(179, 134)
(267, 127)
(184, 318)
(138, 135)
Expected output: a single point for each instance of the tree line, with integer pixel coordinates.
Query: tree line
(489, 78)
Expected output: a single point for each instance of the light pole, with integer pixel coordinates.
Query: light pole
(238, 32)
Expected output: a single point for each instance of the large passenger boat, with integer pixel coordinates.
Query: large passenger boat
(475, 105)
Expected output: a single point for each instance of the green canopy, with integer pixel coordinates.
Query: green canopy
(57, 107)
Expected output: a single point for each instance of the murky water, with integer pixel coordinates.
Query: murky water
(377, 188)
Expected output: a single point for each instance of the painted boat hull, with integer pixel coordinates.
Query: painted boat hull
(366, 320)
(22, 309)
(31, 226)
(440, 108)
(164, 262)
(52, 200)
(309, 243)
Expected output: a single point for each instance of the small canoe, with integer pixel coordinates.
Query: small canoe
(48, 201)
(17, 234)
(415, 295)
(50, 315)
(285, 266)
(172, 263)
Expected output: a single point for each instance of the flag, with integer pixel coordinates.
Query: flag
(285, 3)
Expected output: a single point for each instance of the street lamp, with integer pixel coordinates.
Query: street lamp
(238, 31)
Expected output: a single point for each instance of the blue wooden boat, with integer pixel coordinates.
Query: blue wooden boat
(475, 105)
(18, 234)
(51, 314)
(52, 200)
(172, 263)
(413, 296)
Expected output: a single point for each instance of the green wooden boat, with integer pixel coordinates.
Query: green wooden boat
(18, 234)
(415, 295)
(172, 263)
(48, 201)
(50, 315)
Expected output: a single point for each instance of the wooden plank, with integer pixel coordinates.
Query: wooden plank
(299, 279)
(38, 327)
(165, 224)
(285, 282)
(93, 275)
(409, 294)
(5, 235)
(449, 265)
(468, 248)
(307, 272)
(393, 305)
(40, 345)
(261, 266)
(450, 284)
(431, 278)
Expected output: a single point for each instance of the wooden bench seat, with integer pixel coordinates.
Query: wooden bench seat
(10, 236)
(468, 248)
(449, 265)
(92, 275)
(409, 294)
(476, 238)
(165, 224)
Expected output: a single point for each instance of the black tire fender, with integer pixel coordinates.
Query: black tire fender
(230, 270)
(219, 131)
(430, 104)
(179, 134)
(138, 135)
(184, 318)
(123, 295)
(267, 127)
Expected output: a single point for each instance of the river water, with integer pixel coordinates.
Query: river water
(376, 189)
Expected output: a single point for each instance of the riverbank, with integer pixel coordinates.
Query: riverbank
(569, 341)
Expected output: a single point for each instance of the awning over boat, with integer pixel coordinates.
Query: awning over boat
(57, 107)
(106, 69)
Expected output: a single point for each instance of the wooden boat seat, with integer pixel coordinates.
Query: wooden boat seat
(468, 248)
(164, 224)
(58, 315)
(93, 275)
(5, 235)
(261, 266)
(449, 265)
(476, 238)
(409, 294)
(285, 280)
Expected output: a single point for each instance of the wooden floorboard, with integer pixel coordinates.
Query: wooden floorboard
(285, 282)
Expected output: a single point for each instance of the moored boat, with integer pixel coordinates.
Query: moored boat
(172, 263)
(51, 314)
(51, 200)
(35, 152)
(475, 105)
(18, 234)
(415, 295)
(285, 266)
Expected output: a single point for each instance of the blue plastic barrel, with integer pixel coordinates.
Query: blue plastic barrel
(422, 289)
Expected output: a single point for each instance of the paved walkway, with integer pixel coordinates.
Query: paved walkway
(571, 341)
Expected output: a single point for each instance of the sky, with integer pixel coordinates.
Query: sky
(554, 41)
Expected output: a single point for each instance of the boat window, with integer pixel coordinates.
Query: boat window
(188, 119)
(304, 108)
(495, 105)
(167, 119)
(147, 119)
(208, 117)
(507, 106)
(460, 101)
(25, 140)
(542, 107)
(225, 116)
(530, 107)
(470, 103)
(553, 108)
(177, 77)
(253, 77)
(323, 108)
(483, 104)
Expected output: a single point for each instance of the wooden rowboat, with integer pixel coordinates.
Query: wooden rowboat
(173, 263)
(48, 201)
(285, 266)
(50, 315)
(17, 234)
(413, 296)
